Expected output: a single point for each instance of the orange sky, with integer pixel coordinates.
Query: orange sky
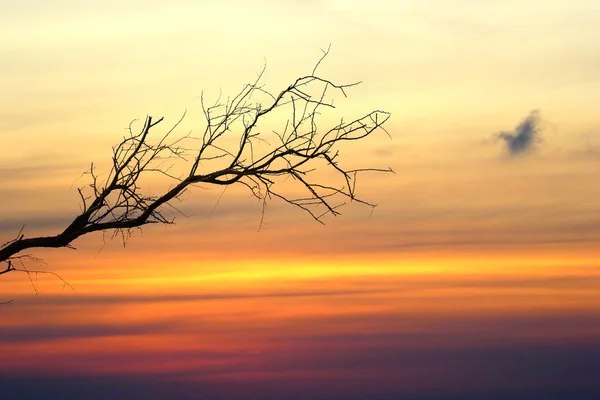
(470, 253)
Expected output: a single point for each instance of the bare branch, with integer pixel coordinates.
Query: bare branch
(257, 160)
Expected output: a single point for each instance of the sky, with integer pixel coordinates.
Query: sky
(475, 277)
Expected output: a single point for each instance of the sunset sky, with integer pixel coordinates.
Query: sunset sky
(477, 276)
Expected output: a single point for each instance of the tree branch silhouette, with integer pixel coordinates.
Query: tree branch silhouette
(231, 150)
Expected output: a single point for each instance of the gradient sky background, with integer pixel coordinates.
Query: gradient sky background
(476, 277)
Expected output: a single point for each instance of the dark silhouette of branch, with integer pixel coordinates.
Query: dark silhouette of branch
(260, 161)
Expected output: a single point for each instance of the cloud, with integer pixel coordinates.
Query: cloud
(122, 300)
(522, 139)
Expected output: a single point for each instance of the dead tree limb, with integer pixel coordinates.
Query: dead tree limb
(257, 160)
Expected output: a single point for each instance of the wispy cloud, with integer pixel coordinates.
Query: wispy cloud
(524, 136)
